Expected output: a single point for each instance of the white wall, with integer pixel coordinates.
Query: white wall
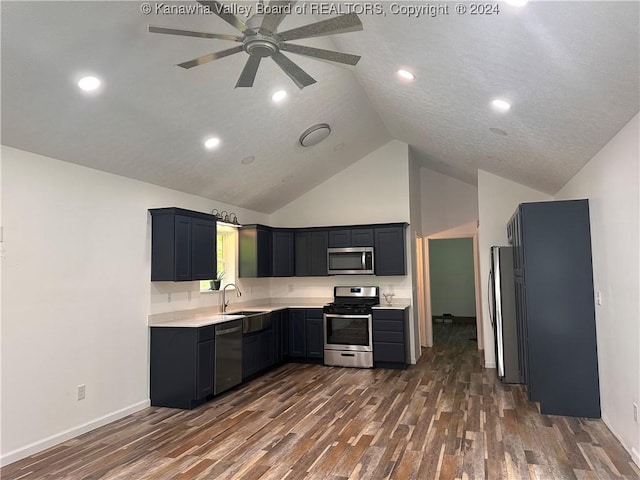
(446, 202)
(375, 189)
(611, 183)
(497, 200)
(76, 296)
(415, 231)
(415, 195)
(452, 278)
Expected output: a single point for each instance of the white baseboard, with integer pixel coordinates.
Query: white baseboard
(490, 365)
(40, 445)
(635, 455)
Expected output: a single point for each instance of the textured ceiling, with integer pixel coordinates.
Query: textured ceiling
(570, 69)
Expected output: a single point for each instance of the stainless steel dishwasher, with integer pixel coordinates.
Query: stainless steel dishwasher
(228, 356)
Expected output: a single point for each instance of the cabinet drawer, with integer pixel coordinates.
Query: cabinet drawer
(388, 315)
(388, 352)
(388, 326)
(206, 333)
(392, 337)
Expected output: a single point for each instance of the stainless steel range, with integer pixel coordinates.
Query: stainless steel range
(348, 339)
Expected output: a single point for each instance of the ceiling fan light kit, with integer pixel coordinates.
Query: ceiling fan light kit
(260, 39)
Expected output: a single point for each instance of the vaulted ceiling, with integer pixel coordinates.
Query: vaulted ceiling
(569, 69)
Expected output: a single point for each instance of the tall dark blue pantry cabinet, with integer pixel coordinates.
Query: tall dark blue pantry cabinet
(555, 306)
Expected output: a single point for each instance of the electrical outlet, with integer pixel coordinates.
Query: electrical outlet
(81, 392)
(635, 412)
(599, 297)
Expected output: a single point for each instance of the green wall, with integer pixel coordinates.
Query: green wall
(451, 277)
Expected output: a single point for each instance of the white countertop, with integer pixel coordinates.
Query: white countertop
(195, 319)
(198, 321)
(393, 306)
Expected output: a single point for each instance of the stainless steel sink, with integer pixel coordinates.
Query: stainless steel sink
(254, 320)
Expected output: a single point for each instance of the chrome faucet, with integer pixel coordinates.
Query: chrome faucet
(225, 302)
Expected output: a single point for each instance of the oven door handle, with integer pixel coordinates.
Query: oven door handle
(341, 315)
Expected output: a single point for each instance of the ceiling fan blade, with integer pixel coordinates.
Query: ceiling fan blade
(342, 24)
(224, 13)
(190, 33)
(300, 77)
(321, 54)
(210, 58)
(249, 71)
(280, 9)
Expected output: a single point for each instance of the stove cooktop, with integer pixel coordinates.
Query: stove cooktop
(353, 300)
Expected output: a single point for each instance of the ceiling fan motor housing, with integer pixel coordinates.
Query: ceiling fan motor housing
(260, 45)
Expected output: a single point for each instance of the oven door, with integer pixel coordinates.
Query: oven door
(348, 332)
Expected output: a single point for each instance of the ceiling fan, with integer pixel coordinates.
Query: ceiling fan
(260, 39)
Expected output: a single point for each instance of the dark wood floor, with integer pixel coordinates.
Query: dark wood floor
(444, 418)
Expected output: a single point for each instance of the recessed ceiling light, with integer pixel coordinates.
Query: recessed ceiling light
(517, 3)
(279, 96)
(500, 105)
(247, 160)
(407, 75)
(211, 143)
(89, 84)
(499, 131)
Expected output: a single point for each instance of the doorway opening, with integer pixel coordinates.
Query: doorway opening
(451, 290)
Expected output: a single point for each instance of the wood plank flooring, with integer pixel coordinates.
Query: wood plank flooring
(445, 418)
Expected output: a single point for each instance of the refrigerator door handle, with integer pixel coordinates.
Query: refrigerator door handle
(497, 295)
(490, 297)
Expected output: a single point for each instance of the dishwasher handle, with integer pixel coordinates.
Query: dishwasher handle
(226, 331)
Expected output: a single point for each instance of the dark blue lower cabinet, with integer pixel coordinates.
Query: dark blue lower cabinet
(297, 331)
(306, 341)
(314, 335)
(315, 343)
(267, 354)
(390, 338)
(182, 363)
(258, 352)
(276, 325)
(250, 355)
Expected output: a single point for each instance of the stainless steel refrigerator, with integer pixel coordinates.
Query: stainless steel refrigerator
(502, 310)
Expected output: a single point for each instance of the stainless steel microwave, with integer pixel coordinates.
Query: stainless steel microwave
(350, 261)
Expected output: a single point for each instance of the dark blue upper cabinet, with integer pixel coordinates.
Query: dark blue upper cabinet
(311, 253)
(390, 251)
(351, 237)
(266, 252)
(302, 252)
(183, 245)
(283, 253)
(256, 256)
